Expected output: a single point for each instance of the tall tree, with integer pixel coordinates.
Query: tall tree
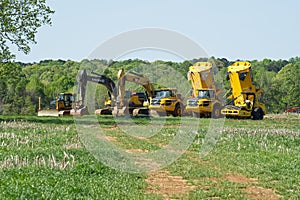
(12, 87)
(19, 21)
(285, 88)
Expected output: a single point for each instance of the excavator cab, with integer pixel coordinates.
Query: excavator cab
(136, 102)
(80, 108)
(137, 99)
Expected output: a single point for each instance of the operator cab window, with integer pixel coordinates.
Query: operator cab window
(206, 94)
(203, 94)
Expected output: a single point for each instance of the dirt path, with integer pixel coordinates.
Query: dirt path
(169, 186)
(253, 191)
(162, 182)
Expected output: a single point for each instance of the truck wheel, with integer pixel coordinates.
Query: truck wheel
(257, 114)
(216, 112)
(177, 111)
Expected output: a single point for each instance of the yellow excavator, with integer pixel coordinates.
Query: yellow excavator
(132, 103)
(60, 107)
(80, 108)
(244, 97)
(167, 101)
(204, 100)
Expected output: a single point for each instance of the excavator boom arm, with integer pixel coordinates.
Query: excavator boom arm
(99, 79)
(135, 78)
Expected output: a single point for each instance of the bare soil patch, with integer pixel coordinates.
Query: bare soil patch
(255, 192)
(162, 182)
(238, 178)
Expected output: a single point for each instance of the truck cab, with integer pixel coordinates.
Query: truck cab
(167, 101)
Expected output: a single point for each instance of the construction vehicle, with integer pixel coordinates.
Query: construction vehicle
(59, 107)
(83, 78)
(167, 101)
(204, 100)
(244, 97)
(132, 103)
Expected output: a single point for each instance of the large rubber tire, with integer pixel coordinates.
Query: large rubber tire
(216, 112)
(178, 110)
(257, 114)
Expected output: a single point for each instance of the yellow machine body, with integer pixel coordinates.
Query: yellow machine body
(244, 93)
(204, 99)
(62, 106)
(167, 101)
(132, 102)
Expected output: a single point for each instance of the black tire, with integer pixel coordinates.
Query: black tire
(257, 114)
(178, 111)
(216, 112)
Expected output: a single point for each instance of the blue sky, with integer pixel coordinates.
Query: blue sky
(234, 29)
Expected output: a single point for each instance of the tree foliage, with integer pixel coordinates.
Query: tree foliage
(285, 88)
(19, 21)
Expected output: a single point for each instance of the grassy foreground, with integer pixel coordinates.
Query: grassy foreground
(45, 158)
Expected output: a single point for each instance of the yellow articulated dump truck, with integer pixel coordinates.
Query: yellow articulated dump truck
(59, 107)
(244, 97)
(167, 101)
(204, 100)
(132, 103)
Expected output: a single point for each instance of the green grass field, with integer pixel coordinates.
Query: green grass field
(44, 158)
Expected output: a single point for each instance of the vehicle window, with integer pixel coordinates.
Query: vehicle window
(61, 97)
(204, 94)
(163, 94)
(243, 75)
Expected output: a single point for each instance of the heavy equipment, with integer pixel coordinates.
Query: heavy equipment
(59, 107)
(204, 100)
(132, 103)
(167, 101)
(244, 97)
(80, 108)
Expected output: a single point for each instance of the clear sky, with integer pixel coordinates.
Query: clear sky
(234, 29)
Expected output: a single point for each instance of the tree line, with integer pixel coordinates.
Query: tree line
(22, 83)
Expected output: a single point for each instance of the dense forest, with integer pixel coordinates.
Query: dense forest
(22, 83)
